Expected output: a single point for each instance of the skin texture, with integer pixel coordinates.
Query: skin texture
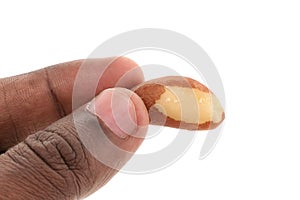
(49, 90)
(42, 154)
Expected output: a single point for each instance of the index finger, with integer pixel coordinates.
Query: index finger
(31, 102)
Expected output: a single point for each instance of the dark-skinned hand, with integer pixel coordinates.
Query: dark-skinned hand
(42, 156)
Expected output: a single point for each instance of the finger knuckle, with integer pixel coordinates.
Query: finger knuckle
(61, 153)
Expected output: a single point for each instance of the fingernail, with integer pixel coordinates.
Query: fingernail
(115, 108)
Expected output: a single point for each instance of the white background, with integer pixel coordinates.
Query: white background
(255, 46)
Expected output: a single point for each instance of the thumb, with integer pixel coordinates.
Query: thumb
(75, 156)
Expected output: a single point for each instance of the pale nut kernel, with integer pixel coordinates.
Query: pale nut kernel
(180, 102)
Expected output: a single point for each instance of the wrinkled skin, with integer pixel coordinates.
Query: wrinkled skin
(42, 155)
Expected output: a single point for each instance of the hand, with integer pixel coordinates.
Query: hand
(43, 156)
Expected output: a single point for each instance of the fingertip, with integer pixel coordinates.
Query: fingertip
(142, 115)
(122, 72)
(125, 61)
(123, 112)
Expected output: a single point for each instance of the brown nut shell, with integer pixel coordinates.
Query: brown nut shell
(180, 102)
